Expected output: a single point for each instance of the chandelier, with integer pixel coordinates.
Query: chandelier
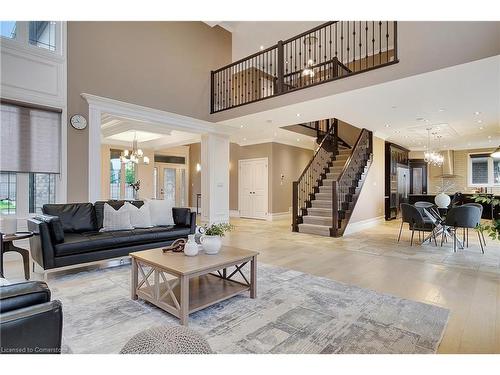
(433, 157)
(135, 155)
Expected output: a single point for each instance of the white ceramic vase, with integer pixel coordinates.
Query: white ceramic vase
(442, 200)
(211, 244)
(191, 247)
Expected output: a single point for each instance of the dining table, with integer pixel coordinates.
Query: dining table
(440, 228)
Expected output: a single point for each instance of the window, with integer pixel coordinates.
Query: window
(129, 179)
(7, 193)
(28, 181)
(483, 170)
(42, 190)
(120, 177)
(43, 34)
(115, 166)
(8, 29)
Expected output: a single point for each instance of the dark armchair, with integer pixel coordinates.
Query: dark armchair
(30, 323)
(416, 221)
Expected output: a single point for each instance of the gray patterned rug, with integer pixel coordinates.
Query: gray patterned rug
(294, 313)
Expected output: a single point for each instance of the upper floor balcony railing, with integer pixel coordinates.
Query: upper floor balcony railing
(333, 50)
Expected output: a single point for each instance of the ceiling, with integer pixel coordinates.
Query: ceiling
(461, 104)
(121, 131)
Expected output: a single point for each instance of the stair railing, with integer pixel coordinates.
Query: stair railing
(306, 186)
(344, 194)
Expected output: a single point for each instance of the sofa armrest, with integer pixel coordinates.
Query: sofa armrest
(32, 330)
(18, 296)
(55, 227)
(41, 244)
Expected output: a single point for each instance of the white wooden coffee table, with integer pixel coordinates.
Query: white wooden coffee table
(181, 285)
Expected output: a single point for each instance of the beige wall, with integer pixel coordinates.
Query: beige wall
(282, 159)
(162, 65)
(370, 203)
(348, 132)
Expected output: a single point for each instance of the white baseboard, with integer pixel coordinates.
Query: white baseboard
(363, 224)
(278, 216)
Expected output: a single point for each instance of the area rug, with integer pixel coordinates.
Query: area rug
(294, 313)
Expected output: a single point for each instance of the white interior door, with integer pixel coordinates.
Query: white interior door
(253, 188)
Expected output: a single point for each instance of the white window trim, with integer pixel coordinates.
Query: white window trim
(490, 182)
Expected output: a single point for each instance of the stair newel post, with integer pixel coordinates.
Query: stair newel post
(335, 210)
(295, 206)
(281, 68)
(335, 135)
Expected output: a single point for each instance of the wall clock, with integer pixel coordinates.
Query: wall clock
(78, 122)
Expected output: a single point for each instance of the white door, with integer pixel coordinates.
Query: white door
(253, 188)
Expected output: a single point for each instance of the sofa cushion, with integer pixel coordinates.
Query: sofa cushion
(77, 243)
(182, 216)
(116, 204)
(140, 217)
(161, 211)
(116, 219)
(75, 217)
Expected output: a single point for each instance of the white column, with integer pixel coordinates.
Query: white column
(94, 154)
(215, 178)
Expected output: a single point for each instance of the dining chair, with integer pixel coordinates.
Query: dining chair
(480, 206)
(416, 221)
(463, 217)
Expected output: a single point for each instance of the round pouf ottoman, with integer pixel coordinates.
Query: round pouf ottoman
(167, 340)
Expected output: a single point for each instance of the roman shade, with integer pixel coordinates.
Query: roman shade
(30, 139)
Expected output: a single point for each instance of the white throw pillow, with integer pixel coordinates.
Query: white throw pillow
(140, 217)
(161, 212)
(116, 219)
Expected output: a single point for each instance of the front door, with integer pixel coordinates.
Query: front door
(172, 183)
(253, 188)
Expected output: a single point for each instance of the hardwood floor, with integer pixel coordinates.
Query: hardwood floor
(466, 282)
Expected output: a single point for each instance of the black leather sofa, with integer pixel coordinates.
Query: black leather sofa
(68, 234)
(30, 323)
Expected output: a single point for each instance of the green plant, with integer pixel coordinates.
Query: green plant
(218, 229)
(492, 230)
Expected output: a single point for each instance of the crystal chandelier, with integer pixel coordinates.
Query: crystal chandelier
(432, 157)
(135, 155)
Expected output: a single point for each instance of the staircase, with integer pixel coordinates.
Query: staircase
(326, 193)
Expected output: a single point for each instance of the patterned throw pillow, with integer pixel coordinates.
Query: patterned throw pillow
(116, 219)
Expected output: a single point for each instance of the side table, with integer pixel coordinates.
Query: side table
(8, 245)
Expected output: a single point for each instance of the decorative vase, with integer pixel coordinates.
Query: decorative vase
(442, 200)
(191, 247)
(211, 244)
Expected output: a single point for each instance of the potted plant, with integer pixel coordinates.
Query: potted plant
(211, 241)
(492, 230)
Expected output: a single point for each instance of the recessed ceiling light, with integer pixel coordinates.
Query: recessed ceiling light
(397, 131)
(241, 126)
(489, 137)
(387, 125)
(477, 113)
(441, 109)
(407, 137)
(244, 139)
(298, 114)
(479, 121)
(298, 139)
(481, 128)
(261, 48)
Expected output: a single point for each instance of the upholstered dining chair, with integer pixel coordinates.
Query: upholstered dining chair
(463, 217)
(480, 206)
(416, 221)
